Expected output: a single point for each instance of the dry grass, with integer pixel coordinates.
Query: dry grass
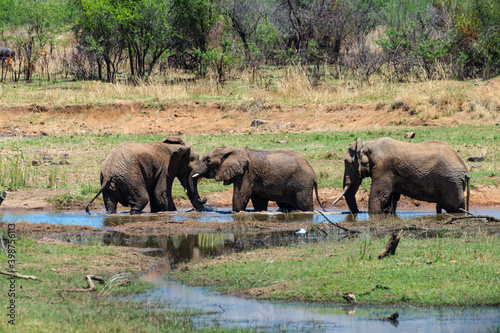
(289, 87)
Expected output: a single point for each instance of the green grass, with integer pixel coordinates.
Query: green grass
(41, 306)
(464, 272)
(324, 150)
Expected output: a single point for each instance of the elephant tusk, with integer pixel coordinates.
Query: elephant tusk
(341, 195)
(196, 175)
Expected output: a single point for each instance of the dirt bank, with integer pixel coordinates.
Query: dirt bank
(128, 117)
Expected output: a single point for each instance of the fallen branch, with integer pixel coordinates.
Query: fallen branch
(90, 282)
(390, 247)
(29, 277)
(336, 224)
(488, 218)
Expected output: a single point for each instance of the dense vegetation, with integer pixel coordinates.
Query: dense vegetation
(399, 40)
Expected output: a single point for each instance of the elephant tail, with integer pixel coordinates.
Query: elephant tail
(104, 184)
(467, 180)
(317, 196)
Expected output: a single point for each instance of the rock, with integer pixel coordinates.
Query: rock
(350, 298)
(475, 159)
(63, 162)
(64, 156)
(409, 135)
(36, 163)
(258, 122)
(47, 158)
(475, 166)
(282, 142)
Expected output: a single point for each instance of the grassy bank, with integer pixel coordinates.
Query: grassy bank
(445, 270)
(324, 150)
(43, 306)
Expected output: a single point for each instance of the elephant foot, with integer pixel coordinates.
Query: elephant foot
(135, 211)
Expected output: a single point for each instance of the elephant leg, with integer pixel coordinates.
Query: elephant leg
(439, 210)
(259, 203)
(138, 201)
(242, 192)
(285, 207)
(393, 203)
(170, 206)
(381, 196)
(453, 200)
(109, 202)
(161, 199)
(304, 200)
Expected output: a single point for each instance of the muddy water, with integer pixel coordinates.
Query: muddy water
(229, 311)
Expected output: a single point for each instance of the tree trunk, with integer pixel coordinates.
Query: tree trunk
(390, 247)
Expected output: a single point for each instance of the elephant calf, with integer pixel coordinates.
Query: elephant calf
(134, 174)
(430, 171)
(283, 176)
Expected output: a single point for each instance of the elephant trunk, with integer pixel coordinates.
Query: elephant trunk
(192, 191)
(349, 193)
(350, 198)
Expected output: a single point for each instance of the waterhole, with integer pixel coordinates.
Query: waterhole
(228, 311)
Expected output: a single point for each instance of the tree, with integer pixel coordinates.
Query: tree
(193, 21)
(146, 29)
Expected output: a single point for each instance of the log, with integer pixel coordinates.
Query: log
(390, 247)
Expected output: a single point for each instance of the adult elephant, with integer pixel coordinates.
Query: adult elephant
(430, 171)
(134, 173)
(283, 176)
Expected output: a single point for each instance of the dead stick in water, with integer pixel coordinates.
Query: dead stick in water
(335, 224)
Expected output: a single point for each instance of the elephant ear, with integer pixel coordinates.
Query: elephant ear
(235, 162)
(175, 140)
(177, 146)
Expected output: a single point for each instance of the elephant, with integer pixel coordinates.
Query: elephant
(134, 173)
(430, 171)
(283, 176)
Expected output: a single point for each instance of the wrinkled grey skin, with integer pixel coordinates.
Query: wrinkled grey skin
(283, 176)
(430, 171)
(134, 174)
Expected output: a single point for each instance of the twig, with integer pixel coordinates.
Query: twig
(30, 277)
(335, 224)
(90, 282)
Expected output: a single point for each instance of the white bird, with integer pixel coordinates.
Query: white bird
(301, 231)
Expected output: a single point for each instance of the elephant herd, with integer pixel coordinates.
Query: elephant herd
(134, 174)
